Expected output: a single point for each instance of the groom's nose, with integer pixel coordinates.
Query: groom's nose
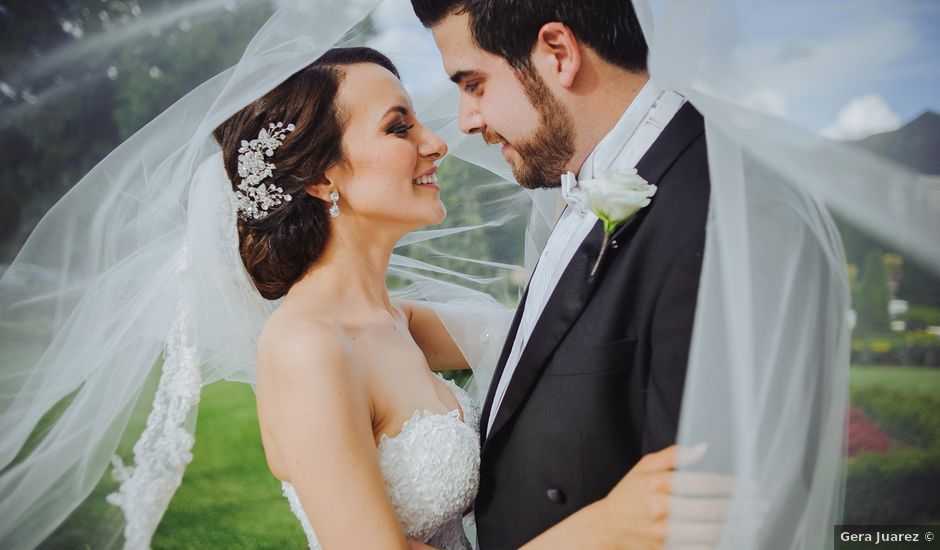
(469, 117)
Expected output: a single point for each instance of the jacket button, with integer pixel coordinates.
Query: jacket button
(556, 496)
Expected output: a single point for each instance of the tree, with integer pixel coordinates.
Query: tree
(57, 119)
(872, 301)
(919, 286)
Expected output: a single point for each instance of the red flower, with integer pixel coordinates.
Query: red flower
(864, 435)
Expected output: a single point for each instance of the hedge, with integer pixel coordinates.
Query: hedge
(899, 486)
(909, 348)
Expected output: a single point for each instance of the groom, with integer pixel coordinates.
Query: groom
(591, 374)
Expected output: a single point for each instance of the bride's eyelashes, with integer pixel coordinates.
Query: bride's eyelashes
(400, 129)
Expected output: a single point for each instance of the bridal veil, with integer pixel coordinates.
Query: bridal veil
(103, 362)
(768, 374)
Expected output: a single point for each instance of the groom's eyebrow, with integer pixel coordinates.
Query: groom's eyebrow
(459, 76)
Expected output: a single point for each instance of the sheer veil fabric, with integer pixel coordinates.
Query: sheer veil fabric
(148, 301)
(767, 382)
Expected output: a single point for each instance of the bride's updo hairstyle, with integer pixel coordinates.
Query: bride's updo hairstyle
(279, 248)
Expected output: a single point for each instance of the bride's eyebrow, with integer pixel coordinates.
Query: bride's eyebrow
(396, 109)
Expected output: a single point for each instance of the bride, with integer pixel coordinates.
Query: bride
(339, 370)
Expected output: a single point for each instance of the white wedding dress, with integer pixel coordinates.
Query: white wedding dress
(432, 472)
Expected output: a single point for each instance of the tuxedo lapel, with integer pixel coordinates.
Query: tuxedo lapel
(501, 365)
(685, 126)
(576, 286)
(508, 344)
(572, 293)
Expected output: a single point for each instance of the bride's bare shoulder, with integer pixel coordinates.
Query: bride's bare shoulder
(292, 340)
(307, 384)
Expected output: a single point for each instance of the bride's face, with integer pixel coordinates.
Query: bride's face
(388, 153)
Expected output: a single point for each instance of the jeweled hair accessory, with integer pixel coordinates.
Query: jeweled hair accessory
(253, 198)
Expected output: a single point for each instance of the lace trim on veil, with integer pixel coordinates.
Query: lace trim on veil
(165, 447)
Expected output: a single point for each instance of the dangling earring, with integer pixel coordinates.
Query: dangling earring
(334, 210)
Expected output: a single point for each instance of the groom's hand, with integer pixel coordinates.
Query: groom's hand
(641, 509)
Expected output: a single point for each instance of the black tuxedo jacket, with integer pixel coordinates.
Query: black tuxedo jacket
(600, 381)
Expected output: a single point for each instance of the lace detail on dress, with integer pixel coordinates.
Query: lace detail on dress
(298, 511)
(471, 410)
(432, 472)
(164, 449)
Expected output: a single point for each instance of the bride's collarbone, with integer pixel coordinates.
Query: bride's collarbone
(395, 370)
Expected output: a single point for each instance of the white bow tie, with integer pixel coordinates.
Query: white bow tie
(572, 193)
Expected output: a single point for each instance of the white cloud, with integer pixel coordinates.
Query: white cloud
(862, 117)
(767, 101)
(807, 73)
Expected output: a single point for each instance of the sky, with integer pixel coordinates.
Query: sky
(888, 60)
(845, 69)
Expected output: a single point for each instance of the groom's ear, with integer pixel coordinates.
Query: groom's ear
(557, 53)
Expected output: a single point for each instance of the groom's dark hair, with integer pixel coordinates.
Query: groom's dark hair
(509, 28)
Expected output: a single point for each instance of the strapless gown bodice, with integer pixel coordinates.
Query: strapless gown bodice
(432, 472)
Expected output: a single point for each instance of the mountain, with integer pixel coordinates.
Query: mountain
(915, 145)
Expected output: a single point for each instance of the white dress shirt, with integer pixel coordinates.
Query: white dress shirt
(624, 146)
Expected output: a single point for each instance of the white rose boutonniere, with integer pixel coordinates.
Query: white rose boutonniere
(615, 197)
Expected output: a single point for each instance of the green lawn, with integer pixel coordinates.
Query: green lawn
(924, 380)
(228, 498)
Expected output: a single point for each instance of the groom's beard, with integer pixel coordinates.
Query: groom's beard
(543, 157)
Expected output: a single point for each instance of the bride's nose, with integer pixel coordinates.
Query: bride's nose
(431, 146)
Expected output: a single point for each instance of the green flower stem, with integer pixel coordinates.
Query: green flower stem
(603, 249)
(609, 227)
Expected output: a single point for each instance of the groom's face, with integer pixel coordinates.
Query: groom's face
(517, 111)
